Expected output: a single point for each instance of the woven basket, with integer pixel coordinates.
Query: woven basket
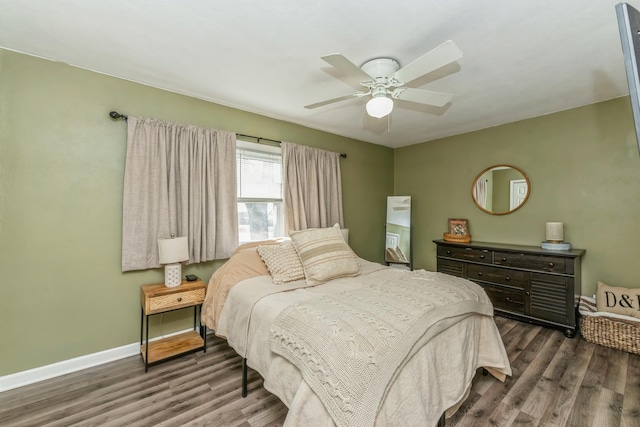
(457, 238)
(611, 333)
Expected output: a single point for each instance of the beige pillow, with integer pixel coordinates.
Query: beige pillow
(282, 261)
(324, 254)
(625, 301)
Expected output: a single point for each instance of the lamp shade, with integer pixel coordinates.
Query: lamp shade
(173, 250)
(554, 231)
(379, 106)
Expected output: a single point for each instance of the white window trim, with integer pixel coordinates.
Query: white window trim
(260, 148)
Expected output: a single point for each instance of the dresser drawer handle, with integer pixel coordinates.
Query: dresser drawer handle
(507, 278)
(481, 256)
(504, 259)
(550, 264)
(479, 273)
(513, 301)
(448, 252)
(180, 299)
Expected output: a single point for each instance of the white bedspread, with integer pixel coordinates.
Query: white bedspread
(435, 379)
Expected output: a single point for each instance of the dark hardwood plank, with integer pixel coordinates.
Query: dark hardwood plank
(542, 395)
(565, 394)
(525, 420)
(556, 382)
(616, 375)
(521, 390)
(503, 415)
(608, 409)
(631, 400)
(466, 406)
(524, 347)
(583, 411)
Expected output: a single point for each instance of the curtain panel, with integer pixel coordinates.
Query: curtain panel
(312, 187)
(480, 192)
(179, 179)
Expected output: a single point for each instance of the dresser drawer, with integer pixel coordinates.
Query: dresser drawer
(550, 264)
(453, 268)
(505, 299)
(467, 254)
(501, 276)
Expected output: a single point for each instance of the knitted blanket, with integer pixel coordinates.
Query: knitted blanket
(351, 345)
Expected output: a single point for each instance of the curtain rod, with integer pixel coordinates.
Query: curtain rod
(115, 115)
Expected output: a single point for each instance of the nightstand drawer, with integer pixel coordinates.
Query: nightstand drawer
(158, 298)
(175, 301)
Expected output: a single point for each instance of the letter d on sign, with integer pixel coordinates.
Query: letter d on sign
(615, 301)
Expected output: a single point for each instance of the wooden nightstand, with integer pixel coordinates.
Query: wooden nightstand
(156, 299)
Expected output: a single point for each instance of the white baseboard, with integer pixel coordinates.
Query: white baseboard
(46, 372)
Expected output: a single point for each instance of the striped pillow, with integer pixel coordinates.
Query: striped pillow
(324, 254)
(282, 261)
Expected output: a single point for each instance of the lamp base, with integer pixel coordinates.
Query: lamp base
(172, 275)
(556, 246)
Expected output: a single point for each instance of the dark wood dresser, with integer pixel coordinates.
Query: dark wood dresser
(523, 282)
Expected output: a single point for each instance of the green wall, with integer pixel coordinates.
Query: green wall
(61, 175)
(584, 169)
(61, 170)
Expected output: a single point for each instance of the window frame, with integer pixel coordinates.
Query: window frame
(266, 149)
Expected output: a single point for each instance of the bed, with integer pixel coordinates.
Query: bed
(377, 346)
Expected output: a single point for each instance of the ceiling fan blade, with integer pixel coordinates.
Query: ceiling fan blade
(347, 67)
(421, 96)
(331, 101)
(442, 55)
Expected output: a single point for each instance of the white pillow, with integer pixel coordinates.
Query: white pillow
(619, 300)
(324, 254)
(282, 261)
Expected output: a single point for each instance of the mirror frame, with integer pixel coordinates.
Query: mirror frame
(473, 184)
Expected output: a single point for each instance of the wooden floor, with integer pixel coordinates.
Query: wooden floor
(556, 382)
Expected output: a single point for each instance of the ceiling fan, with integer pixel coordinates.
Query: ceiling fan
(385, 80)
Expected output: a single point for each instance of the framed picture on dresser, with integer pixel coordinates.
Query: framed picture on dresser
(458, 226)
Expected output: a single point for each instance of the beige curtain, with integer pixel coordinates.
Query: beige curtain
(312, 187)
(480, 192)
(178, 179)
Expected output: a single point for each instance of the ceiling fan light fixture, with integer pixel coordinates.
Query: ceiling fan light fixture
(379, 106)
(385, 80)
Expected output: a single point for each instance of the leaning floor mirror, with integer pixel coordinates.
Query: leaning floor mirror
(398, 250)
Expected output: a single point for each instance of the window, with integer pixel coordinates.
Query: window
(260, 207)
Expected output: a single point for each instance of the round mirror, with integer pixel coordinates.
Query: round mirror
(500, 189)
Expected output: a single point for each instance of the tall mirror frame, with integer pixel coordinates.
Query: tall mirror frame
(398, 249)
(500, 189)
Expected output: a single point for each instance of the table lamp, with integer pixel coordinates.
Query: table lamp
(172, 252)
(554, 232)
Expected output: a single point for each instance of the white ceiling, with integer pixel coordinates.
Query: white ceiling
(522, 58)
